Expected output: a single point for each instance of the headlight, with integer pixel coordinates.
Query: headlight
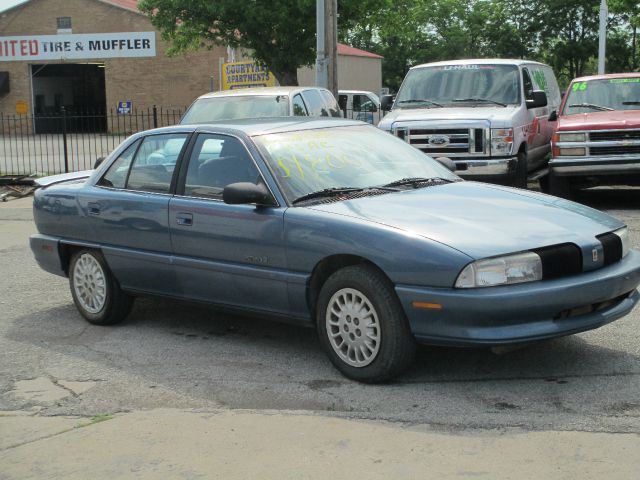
(571, 137)
(623, 233)
(518, 268)
(572, 152)
(501, 141)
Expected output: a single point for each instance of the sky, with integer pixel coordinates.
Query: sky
(4, 4)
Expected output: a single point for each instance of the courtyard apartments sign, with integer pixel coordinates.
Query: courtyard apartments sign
(78, 46)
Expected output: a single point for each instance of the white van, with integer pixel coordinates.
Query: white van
(493, 118)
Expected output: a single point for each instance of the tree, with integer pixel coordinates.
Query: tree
(280, 34)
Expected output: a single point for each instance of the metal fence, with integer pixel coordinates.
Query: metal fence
(45, 144)
(51, 143)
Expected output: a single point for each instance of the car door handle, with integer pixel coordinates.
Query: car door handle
(93, 208)
(184, 219)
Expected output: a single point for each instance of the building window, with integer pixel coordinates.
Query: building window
(64, 24)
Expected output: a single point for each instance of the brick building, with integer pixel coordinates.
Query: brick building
(96, 55)
(92, 54)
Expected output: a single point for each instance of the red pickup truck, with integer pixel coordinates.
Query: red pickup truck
(597, 137)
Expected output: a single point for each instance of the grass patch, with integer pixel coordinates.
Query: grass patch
(96, 419)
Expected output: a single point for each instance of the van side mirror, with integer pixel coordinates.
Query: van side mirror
(386, 102)
(554, 116)
(539, 99)
(246, 192)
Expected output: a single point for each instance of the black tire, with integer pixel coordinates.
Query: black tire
(560, 186)
(115, 305)
(396, 344)
(520, 180)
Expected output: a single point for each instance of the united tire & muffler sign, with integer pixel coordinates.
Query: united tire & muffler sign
(78, 46)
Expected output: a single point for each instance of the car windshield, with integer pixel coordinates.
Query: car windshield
(461, 85)
(601, 95)
(361, 156)
(236, 106)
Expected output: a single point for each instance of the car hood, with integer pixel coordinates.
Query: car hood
(481, 220)
(494, 114)
(616, 119)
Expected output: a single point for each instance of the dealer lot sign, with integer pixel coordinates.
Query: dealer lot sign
(78, 46)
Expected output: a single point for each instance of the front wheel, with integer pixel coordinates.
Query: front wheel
(362, 326)
(95, 291)
(520, 180)
(560, 186)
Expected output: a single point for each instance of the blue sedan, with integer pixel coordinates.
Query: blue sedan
(332, 224)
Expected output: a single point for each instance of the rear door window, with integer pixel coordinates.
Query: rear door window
(154, 163)
(332, 105)
(299, 108)
(314, 103)
(116, 175)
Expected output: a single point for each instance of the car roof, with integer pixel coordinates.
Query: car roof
(355, 91)
(604, 77)
(481, 61)
(260, 126)
(287, 91)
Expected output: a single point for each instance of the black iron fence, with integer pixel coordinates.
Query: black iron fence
(49, 143)
(68, 141)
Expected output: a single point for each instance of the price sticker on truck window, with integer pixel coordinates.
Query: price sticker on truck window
(581, 86)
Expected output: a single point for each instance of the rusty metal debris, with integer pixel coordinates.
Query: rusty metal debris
(12, 187)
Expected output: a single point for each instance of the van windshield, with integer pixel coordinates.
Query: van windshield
(233, 107)
(460, 85)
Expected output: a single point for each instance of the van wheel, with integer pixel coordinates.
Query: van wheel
(362, 326)
(95, 291)
(520, 180)
(560, 186)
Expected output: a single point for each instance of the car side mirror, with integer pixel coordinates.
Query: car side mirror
(447, 162)
(246, 192)
(98, 161)
(554, 116)
(386, 102)
(539, 99)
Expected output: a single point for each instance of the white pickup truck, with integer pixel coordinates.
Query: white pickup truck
(493, 118)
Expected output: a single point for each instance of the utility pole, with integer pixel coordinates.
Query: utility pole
(331, 45)
(604, 13)
(321, 58)
(327, 45)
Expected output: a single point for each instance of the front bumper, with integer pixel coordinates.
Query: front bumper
(486, 169)
(525, 312)
(594, 166)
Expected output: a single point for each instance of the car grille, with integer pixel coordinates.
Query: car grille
(565, 259)
(612, 245)
(560, 260)
(625, 142)
(456, 142)
(618, 150)
(613, 136)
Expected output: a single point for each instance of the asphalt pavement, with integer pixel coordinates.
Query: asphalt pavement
(174, 371)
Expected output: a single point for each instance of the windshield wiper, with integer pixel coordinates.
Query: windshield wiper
(327, 192)
(415, 181)
(485, 100)
(635, 102)
(593, 106)
(421, 100)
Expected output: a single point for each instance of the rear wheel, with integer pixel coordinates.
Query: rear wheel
(95, 291)
(362, 326)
